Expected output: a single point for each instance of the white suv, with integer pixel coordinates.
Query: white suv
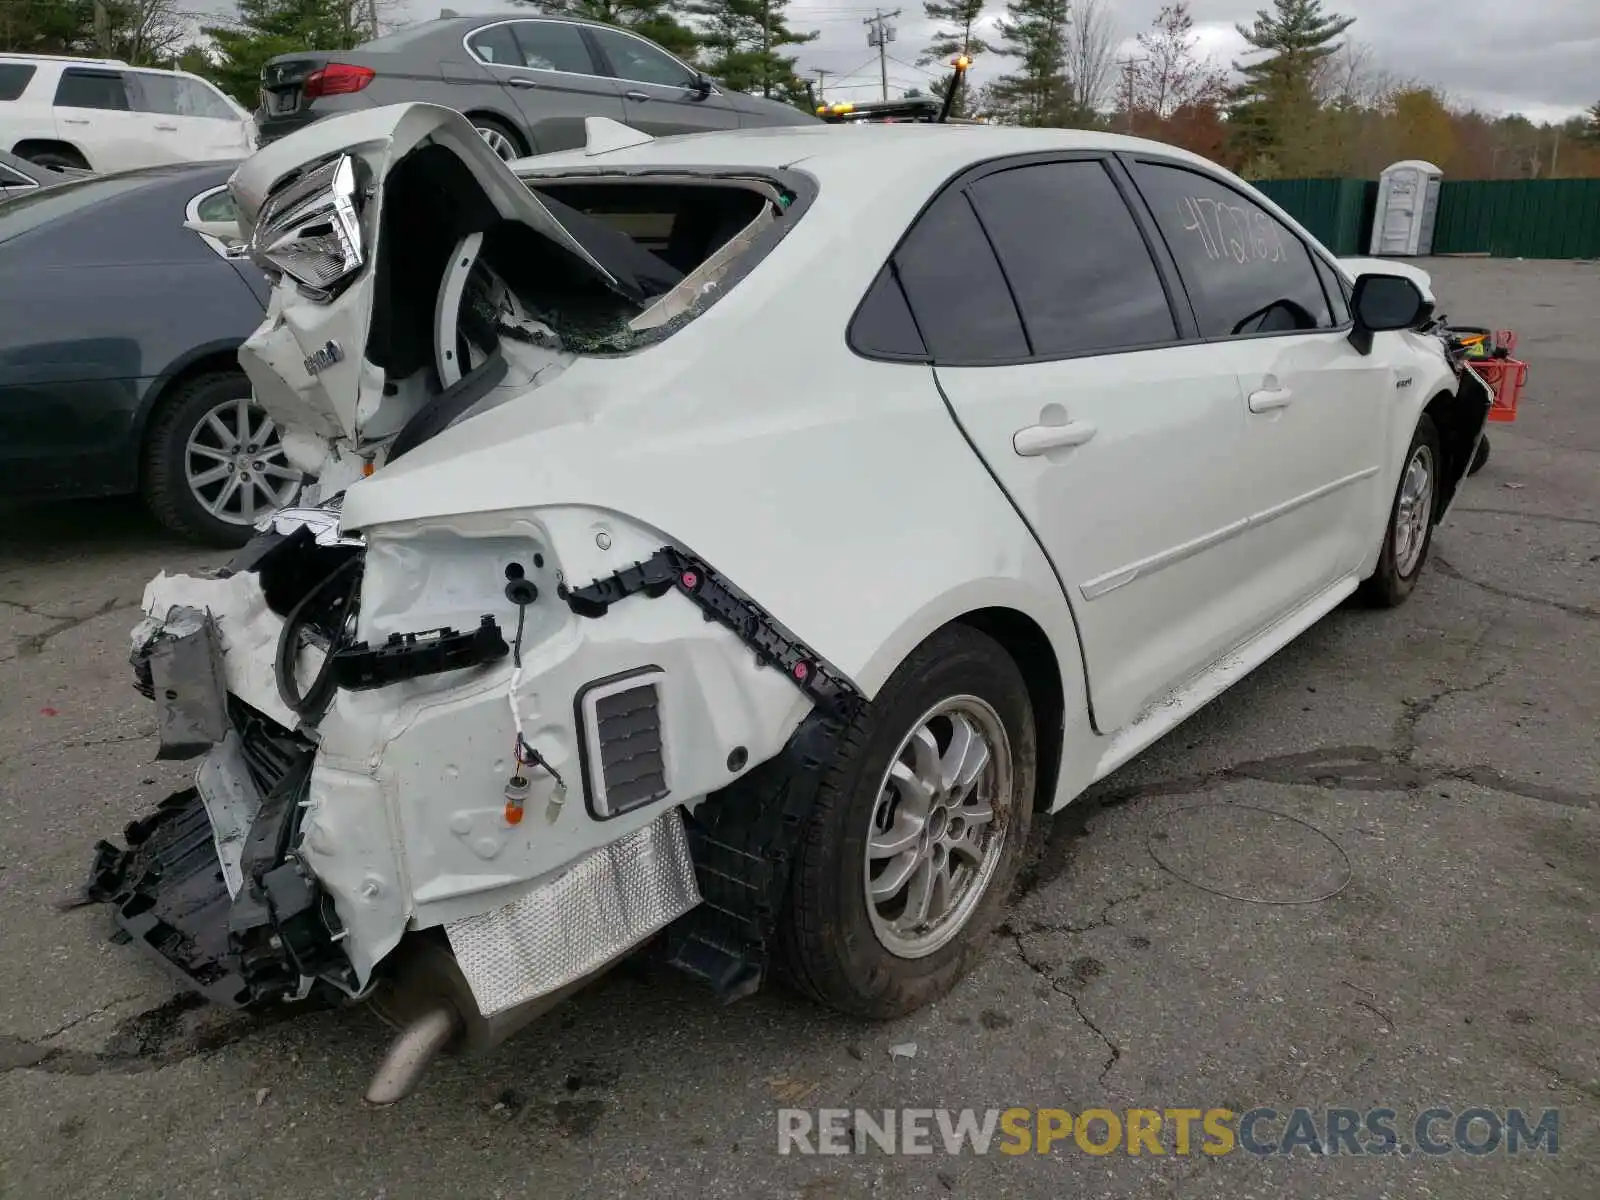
(104, 115)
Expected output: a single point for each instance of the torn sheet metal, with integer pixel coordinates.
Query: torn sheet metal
(609, 902)
(232, 801)
(184, 654)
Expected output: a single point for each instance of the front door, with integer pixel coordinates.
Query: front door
(660, 95)
(190, 120)
(1313, 404)
(551, 77)
(1066, 363)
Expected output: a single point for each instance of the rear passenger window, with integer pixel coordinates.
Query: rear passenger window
(883, 327)
(91, 89)
(1078, 265)
(14, 79)
(549, 46)
(496, 45)
(956, 291)
(1246, 272)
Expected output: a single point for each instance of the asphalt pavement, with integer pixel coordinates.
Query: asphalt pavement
(1367, 877)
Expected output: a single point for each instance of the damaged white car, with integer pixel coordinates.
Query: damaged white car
(727, 543)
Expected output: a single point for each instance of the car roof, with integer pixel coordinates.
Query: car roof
(871, 155)
(65, 59)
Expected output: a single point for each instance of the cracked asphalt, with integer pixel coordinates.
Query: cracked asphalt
(1367, 876)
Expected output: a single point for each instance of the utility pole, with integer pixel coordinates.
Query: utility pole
(879, 35)
(372, 18)
(822, 84)
(1127, 65)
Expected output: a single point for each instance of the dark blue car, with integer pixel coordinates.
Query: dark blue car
(119, 333)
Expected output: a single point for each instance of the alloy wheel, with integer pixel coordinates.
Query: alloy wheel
(1413, 511)
(498, 142)
(235, 466)
(939, 826)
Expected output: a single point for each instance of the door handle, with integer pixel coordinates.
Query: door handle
(1036, 439)
(1269, 399)
(521, 81)
(639, 96)
(167, 128)
(74, 121)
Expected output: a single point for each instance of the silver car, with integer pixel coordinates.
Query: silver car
(525, 82)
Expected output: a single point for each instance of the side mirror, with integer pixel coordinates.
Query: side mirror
(701, 86)
(1382, 303)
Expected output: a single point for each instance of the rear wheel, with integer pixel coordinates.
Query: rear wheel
(918, 830)
(56, 157)
(503, 140)
(1409, 534)
(214, 463)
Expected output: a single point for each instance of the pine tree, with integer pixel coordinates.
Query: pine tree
(1278, 96)
(264, 29)
(1040, 93)
(654, 19)
(741, 40)
(1592, 126)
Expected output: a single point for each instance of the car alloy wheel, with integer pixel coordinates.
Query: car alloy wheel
(498, 141)
(234, 463)
(935, 841)
(1414, 510)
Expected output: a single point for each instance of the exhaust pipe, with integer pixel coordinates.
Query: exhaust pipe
(411, 1052)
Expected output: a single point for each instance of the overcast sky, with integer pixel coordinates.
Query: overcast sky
(1536, 57)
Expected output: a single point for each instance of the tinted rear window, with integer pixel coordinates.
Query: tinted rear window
(14, 78)
(91, 89)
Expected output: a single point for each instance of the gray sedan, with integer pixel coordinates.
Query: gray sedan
(525, 82)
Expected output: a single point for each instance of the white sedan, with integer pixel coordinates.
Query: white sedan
(739, 538)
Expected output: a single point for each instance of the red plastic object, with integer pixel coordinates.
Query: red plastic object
(1505, 378)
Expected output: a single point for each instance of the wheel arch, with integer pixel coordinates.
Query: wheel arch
(514, 124)
(1035, 627)
(24, 145)
(211, 358)
(1029, 647)
(1458, 439)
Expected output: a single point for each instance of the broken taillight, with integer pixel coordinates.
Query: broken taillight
(337, 79)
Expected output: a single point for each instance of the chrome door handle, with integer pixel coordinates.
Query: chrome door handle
(74, 121)
(1269, 399)
(167, 128)
(639, 96)
(521, 81)
(1036, 439)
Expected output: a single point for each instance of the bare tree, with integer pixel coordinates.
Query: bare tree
(1352, 77)
(1170, 74)
(1091, 43)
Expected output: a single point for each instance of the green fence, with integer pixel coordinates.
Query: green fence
(1337, 212)
(1516, 218)
(1524, 218)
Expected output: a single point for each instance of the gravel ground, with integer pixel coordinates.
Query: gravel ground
(1433, 768)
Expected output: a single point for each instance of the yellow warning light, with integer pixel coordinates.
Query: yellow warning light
(961, 62)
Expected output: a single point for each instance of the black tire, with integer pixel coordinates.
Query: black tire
(1480, 456)
(58, 158)
(830, 948)
(164, 480)
(1389, 586)
(482, 121)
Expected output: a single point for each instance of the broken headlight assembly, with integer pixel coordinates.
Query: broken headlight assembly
(310, 226)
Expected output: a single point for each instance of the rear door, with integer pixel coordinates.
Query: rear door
(1072, 367)
(93, 110)
(660, 94)
(1314, 406)
(189, 118)
(552, 76)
